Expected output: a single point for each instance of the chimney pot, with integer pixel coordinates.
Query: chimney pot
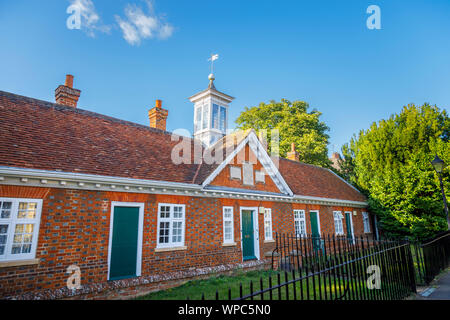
(69, 81)
(336, 155)
(293, 155)
(158, 104)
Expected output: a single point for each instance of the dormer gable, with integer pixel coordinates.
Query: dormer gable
(248, 167)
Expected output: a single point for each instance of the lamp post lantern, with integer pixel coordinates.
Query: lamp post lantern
(439, 165)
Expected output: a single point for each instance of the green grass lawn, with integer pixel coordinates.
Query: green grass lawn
(314, 288)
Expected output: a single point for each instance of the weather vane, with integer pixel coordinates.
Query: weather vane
(213, 58)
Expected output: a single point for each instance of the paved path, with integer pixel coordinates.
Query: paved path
(438, 290)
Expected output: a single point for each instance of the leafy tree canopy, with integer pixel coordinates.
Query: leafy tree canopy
(295, 125)
(390, 162)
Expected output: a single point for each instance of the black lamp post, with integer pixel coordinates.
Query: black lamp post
(439, 165)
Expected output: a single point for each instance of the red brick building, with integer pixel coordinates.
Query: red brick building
(89, 195)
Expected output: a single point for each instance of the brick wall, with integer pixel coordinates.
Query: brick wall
(74, 230)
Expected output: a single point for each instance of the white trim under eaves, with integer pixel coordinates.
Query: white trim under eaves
(198, 96)
(335, 201)
(81, 181)
(91, 178)
(262, 156)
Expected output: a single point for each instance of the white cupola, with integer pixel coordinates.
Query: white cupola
(210, 114)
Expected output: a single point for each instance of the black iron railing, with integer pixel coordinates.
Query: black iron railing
(333, 268)
(307, 267)
(431, 257)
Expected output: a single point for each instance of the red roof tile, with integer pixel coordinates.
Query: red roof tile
(308, 180)
(41, 135)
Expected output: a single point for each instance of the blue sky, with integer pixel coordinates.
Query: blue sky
(317, 51)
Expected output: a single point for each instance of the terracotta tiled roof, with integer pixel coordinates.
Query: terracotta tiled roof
(308, 180)
(42, 135)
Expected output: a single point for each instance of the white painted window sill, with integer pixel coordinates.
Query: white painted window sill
(269, 241)
(170, 249)
(229, 244)
(19, 263)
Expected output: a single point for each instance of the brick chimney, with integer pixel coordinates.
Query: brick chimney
(66, 94)
(293, 155)
(335, 157)
(158, 116)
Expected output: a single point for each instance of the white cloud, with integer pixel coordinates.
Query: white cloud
(138, 25)
(130, 34)
(90, 20)
(165, 31)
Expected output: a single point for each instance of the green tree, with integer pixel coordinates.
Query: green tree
(295, 125)
(346, 165)
(390, 162)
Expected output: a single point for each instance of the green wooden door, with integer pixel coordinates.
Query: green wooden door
(248, 240)
(124, 243)
(348, 223)
(315, 234)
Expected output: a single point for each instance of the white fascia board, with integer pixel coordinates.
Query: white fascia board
(92, 178)
(343, 202)
(98, 179)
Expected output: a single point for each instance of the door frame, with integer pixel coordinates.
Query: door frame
(351, 223)
(255, 230)
(139, 205)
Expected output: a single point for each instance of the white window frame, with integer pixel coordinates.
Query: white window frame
(12, 221)
(198, 122)
(366, 222)
(298, 219)
(219, 117)
(171, 220)
(268, 219)
(338, 218)
(206, 116)
(212, 116)
(228, 241)
(225, 118)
